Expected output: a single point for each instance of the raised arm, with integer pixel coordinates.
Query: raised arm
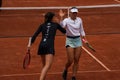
(61, 14)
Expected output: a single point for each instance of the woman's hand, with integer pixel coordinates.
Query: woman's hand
(61, 13)
(84, 39)
(29, 43)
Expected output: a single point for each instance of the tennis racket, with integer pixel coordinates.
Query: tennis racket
(26, 61)
(27, 58)
(88, 45)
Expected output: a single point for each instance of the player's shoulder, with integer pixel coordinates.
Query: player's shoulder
(43, 24)
(79, 19)
(67, 19)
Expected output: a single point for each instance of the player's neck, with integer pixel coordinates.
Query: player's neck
(73, 18)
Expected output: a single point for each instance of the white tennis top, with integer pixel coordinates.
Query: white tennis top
(73, 27)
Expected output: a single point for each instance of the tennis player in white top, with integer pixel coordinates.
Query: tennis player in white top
(74, 34)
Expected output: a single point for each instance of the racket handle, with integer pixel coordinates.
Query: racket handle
(29, 43)
(91, 47)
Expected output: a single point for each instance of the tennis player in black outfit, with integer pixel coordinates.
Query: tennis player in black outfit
(46, 47)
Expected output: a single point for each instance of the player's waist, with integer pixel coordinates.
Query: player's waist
(73, 37)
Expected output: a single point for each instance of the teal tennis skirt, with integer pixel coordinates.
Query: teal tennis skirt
(73, 42)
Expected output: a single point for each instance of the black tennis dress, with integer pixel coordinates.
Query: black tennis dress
(48, 30)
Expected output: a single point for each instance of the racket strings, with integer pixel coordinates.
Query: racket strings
(26, 61)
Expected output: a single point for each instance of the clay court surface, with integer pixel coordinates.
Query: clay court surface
(102, 29)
